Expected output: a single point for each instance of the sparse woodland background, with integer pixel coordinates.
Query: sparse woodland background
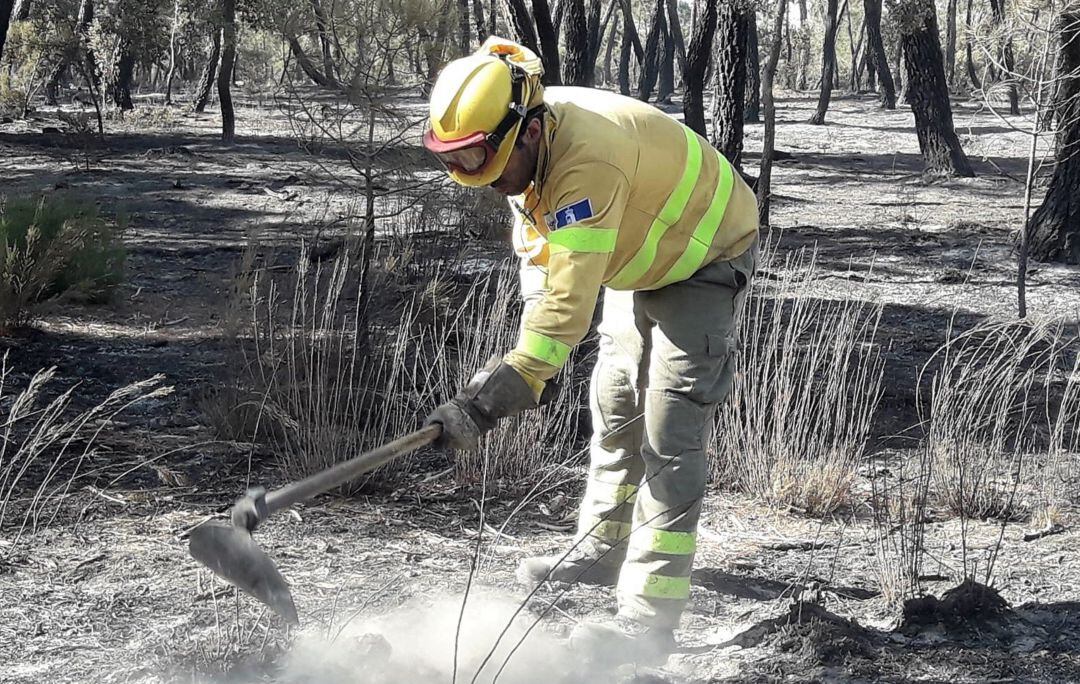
(338, 323)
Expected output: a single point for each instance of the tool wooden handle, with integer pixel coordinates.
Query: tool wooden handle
(349, 470)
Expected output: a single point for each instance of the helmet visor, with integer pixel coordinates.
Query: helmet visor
(468, 155)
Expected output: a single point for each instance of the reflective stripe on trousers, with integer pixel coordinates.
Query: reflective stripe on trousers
(665, 361)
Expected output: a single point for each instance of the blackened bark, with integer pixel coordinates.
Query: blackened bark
(1054, 229)
(928, 92)
(650, 68)
(464, 31)
(225, 73)
(969, 63)
(576, 69)
(592, 21)
(324, 41)
(805, 55)
(697, 64)
(478, 19)
(630, 29)
(997, 8)
(609, 51)
(522, 23)
(875, 47)
(306, 65)
(676, 34)
(752, 108)
(764, 184)
(624, 58)
(729, 81)
(667, 68)
(950, 43)
(828, 62)
(6, 7)
(548, 40)
(206, 80)
(119, 81)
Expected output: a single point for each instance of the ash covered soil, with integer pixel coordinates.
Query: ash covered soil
(108, 593)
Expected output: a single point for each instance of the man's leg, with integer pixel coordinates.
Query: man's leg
(690, 372)
(617, 403)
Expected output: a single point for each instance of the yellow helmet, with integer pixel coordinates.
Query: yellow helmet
(477, 106)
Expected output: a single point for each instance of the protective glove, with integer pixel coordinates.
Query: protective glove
(496, 391)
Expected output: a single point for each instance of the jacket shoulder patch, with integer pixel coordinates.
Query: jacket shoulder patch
(573, 213)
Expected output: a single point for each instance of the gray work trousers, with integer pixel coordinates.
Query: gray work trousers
(666, 360)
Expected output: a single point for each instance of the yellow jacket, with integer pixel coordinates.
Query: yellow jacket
(624, 196)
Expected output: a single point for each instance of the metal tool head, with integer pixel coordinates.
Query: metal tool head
(232, 554)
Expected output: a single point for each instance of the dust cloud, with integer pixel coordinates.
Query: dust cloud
(415, 643)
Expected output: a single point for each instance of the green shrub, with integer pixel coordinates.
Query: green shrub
(54, 246)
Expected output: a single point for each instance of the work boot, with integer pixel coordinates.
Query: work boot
(622, 640)
(585, 564)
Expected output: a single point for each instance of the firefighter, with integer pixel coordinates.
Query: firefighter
(608, 193)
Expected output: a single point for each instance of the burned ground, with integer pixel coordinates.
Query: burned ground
(107, 593)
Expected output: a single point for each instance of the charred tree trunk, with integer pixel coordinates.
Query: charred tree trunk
(1054, 229)
(522, 23)
(697, 65)
(6, 8)
(805, 56)
(650, 68)
(928, 93)
(729, 81)
(493, 21)
(119, 81)
(225, 73)
(576, 70)
(969, 62)
(667, 68)
(624, 58)
(609, 52)
(875, 47)
(768, 144)
(464, 31)
(324, 42)
(548, 40)
(1008, 60)
(950, 43)
(630, 30)
(828, 62)
(206, 80)
(306, 65)
(172, 52)
(478, 20)
(676, 34)
(752, 109)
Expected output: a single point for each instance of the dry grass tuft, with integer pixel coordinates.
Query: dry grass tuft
(316, 393)
(44, 444)
(806, 388)
(989, 403)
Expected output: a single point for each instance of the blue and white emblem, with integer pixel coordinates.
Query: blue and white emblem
(573, 213)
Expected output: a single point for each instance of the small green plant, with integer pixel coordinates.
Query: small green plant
(51, 247)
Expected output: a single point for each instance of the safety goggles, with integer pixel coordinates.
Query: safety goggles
(471, 154)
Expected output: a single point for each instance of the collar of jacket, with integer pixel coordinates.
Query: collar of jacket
(547, 137)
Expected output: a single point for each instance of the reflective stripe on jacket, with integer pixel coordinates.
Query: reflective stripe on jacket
(624, 196)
